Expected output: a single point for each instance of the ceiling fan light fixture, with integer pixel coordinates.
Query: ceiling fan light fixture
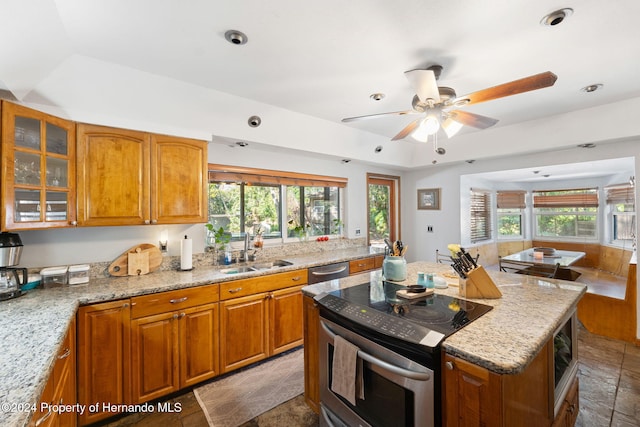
(428, 126)
(451, 127)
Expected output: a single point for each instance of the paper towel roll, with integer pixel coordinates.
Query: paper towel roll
(186, 252)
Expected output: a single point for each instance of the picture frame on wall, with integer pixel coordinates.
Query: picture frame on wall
(429, 198)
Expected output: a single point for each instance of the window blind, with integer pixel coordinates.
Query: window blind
(480, 215)
(581, 198)
(511, 200)
(221, 173)
(620, 194)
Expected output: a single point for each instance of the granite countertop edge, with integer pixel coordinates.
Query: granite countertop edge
(507, 338)
(40, 319)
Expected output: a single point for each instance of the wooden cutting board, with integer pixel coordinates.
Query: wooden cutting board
(120, 266)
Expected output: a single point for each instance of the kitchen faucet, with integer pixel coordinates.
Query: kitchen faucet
(245, 252)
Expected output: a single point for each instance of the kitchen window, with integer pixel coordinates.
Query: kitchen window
(277, 204)
(566, 214)
(621, 214)
(510, 208)
(480, 202)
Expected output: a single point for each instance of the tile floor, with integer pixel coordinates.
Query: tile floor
(609, 372)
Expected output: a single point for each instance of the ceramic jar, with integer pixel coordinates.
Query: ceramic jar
(394, 268)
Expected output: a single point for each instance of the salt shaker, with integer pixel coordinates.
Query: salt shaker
(430, 283)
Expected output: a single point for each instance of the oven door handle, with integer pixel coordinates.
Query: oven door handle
(420, 376)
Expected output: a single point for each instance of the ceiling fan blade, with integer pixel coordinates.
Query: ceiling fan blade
(407, 130)
(373, 116)
(472, 119)
(424, 83)
(526, 84)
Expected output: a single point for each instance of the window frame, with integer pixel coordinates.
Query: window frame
(282, 179)
(478, 215)
(616, 195)
(572, 199)
(510, 203)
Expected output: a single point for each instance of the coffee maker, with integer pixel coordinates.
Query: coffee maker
(10, 281)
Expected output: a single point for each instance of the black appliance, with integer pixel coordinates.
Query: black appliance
(372, 317)
(10, 281)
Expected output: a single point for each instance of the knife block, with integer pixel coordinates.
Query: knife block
(478, 284)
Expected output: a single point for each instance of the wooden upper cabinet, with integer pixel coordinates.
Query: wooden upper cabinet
(113, 176)
(178, 180)
(38, 169)
(133, 178)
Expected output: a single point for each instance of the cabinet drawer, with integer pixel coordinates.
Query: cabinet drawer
(359, 265)
(64, 358)
(164, 302)
(271, 282)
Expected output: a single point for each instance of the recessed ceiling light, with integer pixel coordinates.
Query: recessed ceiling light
(377, 96)
(345, 161)
(236, 37)
(592, 88)
(242, 144)
(555, 18)
(470, 161)
(587, 145)
(546, 176)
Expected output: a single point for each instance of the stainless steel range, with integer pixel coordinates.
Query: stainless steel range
(398, 349)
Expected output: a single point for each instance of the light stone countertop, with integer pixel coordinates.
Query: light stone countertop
(506, 339)
(35, 324)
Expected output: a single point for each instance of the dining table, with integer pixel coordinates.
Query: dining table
(549, 261)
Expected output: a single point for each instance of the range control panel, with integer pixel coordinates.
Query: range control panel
(381, 322)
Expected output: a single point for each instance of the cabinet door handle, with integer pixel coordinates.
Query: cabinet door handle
(182, 315)
(126, 305)
(296, 279)
(154, 221)
(449, 365)
(74, 223)
(236, 290)
(179, 300)
(175, 316)
(67, 352)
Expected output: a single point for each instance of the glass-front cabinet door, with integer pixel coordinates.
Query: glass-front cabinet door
(38, 167)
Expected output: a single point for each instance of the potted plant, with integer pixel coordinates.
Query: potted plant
(220, 239)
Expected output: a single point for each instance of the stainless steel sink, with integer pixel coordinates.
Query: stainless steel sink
(237, 270)
(256, 267)
(273, 264)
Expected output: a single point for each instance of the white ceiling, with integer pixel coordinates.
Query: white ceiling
(320, 61)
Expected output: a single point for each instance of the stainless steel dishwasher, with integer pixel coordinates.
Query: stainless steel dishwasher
(328, 272)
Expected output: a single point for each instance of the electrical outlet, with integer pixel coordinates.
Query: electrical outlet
(357, 231)
(429, 228)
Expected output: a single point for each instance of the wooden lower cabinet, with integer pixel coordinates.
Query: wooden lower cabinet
(61, 387)
(103, 357)
(568, 412)
(170, 351)
(474, 396)
(311, 353)
(243, 331)
(258, 326)
(365, 264)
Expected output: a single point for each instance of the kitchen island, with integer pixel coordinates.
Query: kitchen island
(37, 323)
(505, 343)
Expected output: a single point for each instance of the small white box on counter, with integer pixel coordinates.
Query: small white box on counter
(54, 276)
(78, 274)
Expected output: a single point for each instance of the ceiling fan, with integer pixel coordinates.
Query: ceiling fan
(438, 105)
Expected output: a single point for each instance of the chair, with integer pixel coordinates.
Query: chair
(550, 272)
(443, 259)
(446, 259)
